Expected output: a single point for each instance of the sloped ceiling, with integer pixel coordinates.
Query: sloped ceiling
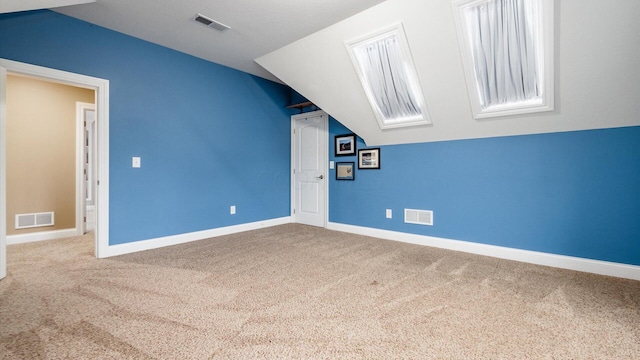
(301, 43)
(596, 57)
(7, 6)
(257, 27)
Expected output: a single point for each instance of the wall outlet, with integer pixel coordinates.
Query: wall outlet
(389, 214)
(232, 210)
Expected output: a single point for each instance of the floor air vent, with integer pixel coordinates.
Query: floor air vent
(25, 221)
(422, 217)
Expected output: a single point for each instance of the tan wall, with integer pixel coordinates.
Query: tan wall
(41, 146)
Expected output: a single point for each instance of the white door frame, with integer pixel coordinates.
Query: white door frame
(101, 88)
(81, 188)
(294, 118)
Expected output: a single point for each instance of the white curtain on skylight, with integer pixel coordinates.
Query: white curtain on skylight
(504, 51)
(384, 68)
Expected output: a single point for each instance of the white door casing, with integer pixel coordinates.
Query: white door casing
(85, 166)
(3, 172)
(101, 87)
(309, 168)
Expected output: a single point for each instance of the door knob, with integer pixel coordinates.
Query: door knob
(320, 177)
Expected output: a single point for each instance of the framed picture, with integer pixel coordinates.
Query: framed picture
(345, 145)
(344, 171)
(369, 158)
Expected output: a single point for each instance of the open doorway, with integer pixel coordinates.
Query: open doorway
(45, 159)
(100, 87)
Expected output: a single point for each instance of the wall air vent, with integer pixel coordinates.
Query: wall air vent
(201, 19)
(422, 217)
(25, 221)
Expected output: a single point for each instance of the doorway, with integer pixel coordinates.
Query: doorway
(101, 88)
(309, 182)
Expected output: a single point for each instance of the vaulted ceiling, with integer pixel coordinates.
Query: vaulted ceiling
(257, 27)
(302, 44)
(596, 52)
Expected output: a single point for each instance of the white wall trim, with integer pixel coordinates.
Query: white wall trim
(81, 188)
(3, 171)
(533, 257)
(122, 249)
(41, 236)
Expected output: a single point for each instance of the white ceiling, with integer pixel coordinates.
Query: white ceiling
(7, 6)
(302, 43)
(257, 27)
(596, 68)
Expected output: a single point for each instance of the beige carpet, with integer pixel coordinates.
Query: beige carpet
(301, 292)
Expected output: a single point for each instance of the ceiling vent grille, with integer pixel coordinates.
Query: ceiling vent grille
(203, 20)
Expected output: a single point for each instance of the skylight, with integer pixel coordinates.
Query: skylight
(385, 67)
(507, 52)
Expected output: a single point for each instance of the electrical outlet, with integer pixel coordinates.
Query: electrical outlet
(135, 162)
(389, 214)
(232, 209)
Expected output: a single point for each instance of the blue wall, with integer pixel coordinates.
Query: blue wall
(573, 193)
(209, 136)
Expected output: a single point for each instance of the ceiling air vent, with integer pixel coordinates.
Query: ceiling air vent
(201, 19)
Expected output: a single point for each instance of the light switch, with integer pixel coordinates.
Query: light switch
(331, 164)
(135, 162)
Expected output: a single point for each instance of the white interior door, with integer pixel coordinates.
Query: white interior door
(309, 172)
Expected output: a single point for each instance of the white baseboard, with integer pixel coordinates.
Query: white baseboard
(560, 261)
(121, 249)
(41, 236)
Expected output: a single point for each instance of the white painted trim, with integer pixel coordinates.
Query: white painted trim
(3, 171)
(121, 249)
(533, 257)
(80, 184)
(101, 88)
(40, 236)
(294, 118)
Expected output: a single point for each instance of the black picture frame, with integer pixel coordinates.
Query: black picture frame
(345, 171)
(345, 145)
(369, 158)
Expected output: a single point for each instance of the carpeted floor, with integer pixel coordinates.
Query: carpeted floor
(301, 292)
